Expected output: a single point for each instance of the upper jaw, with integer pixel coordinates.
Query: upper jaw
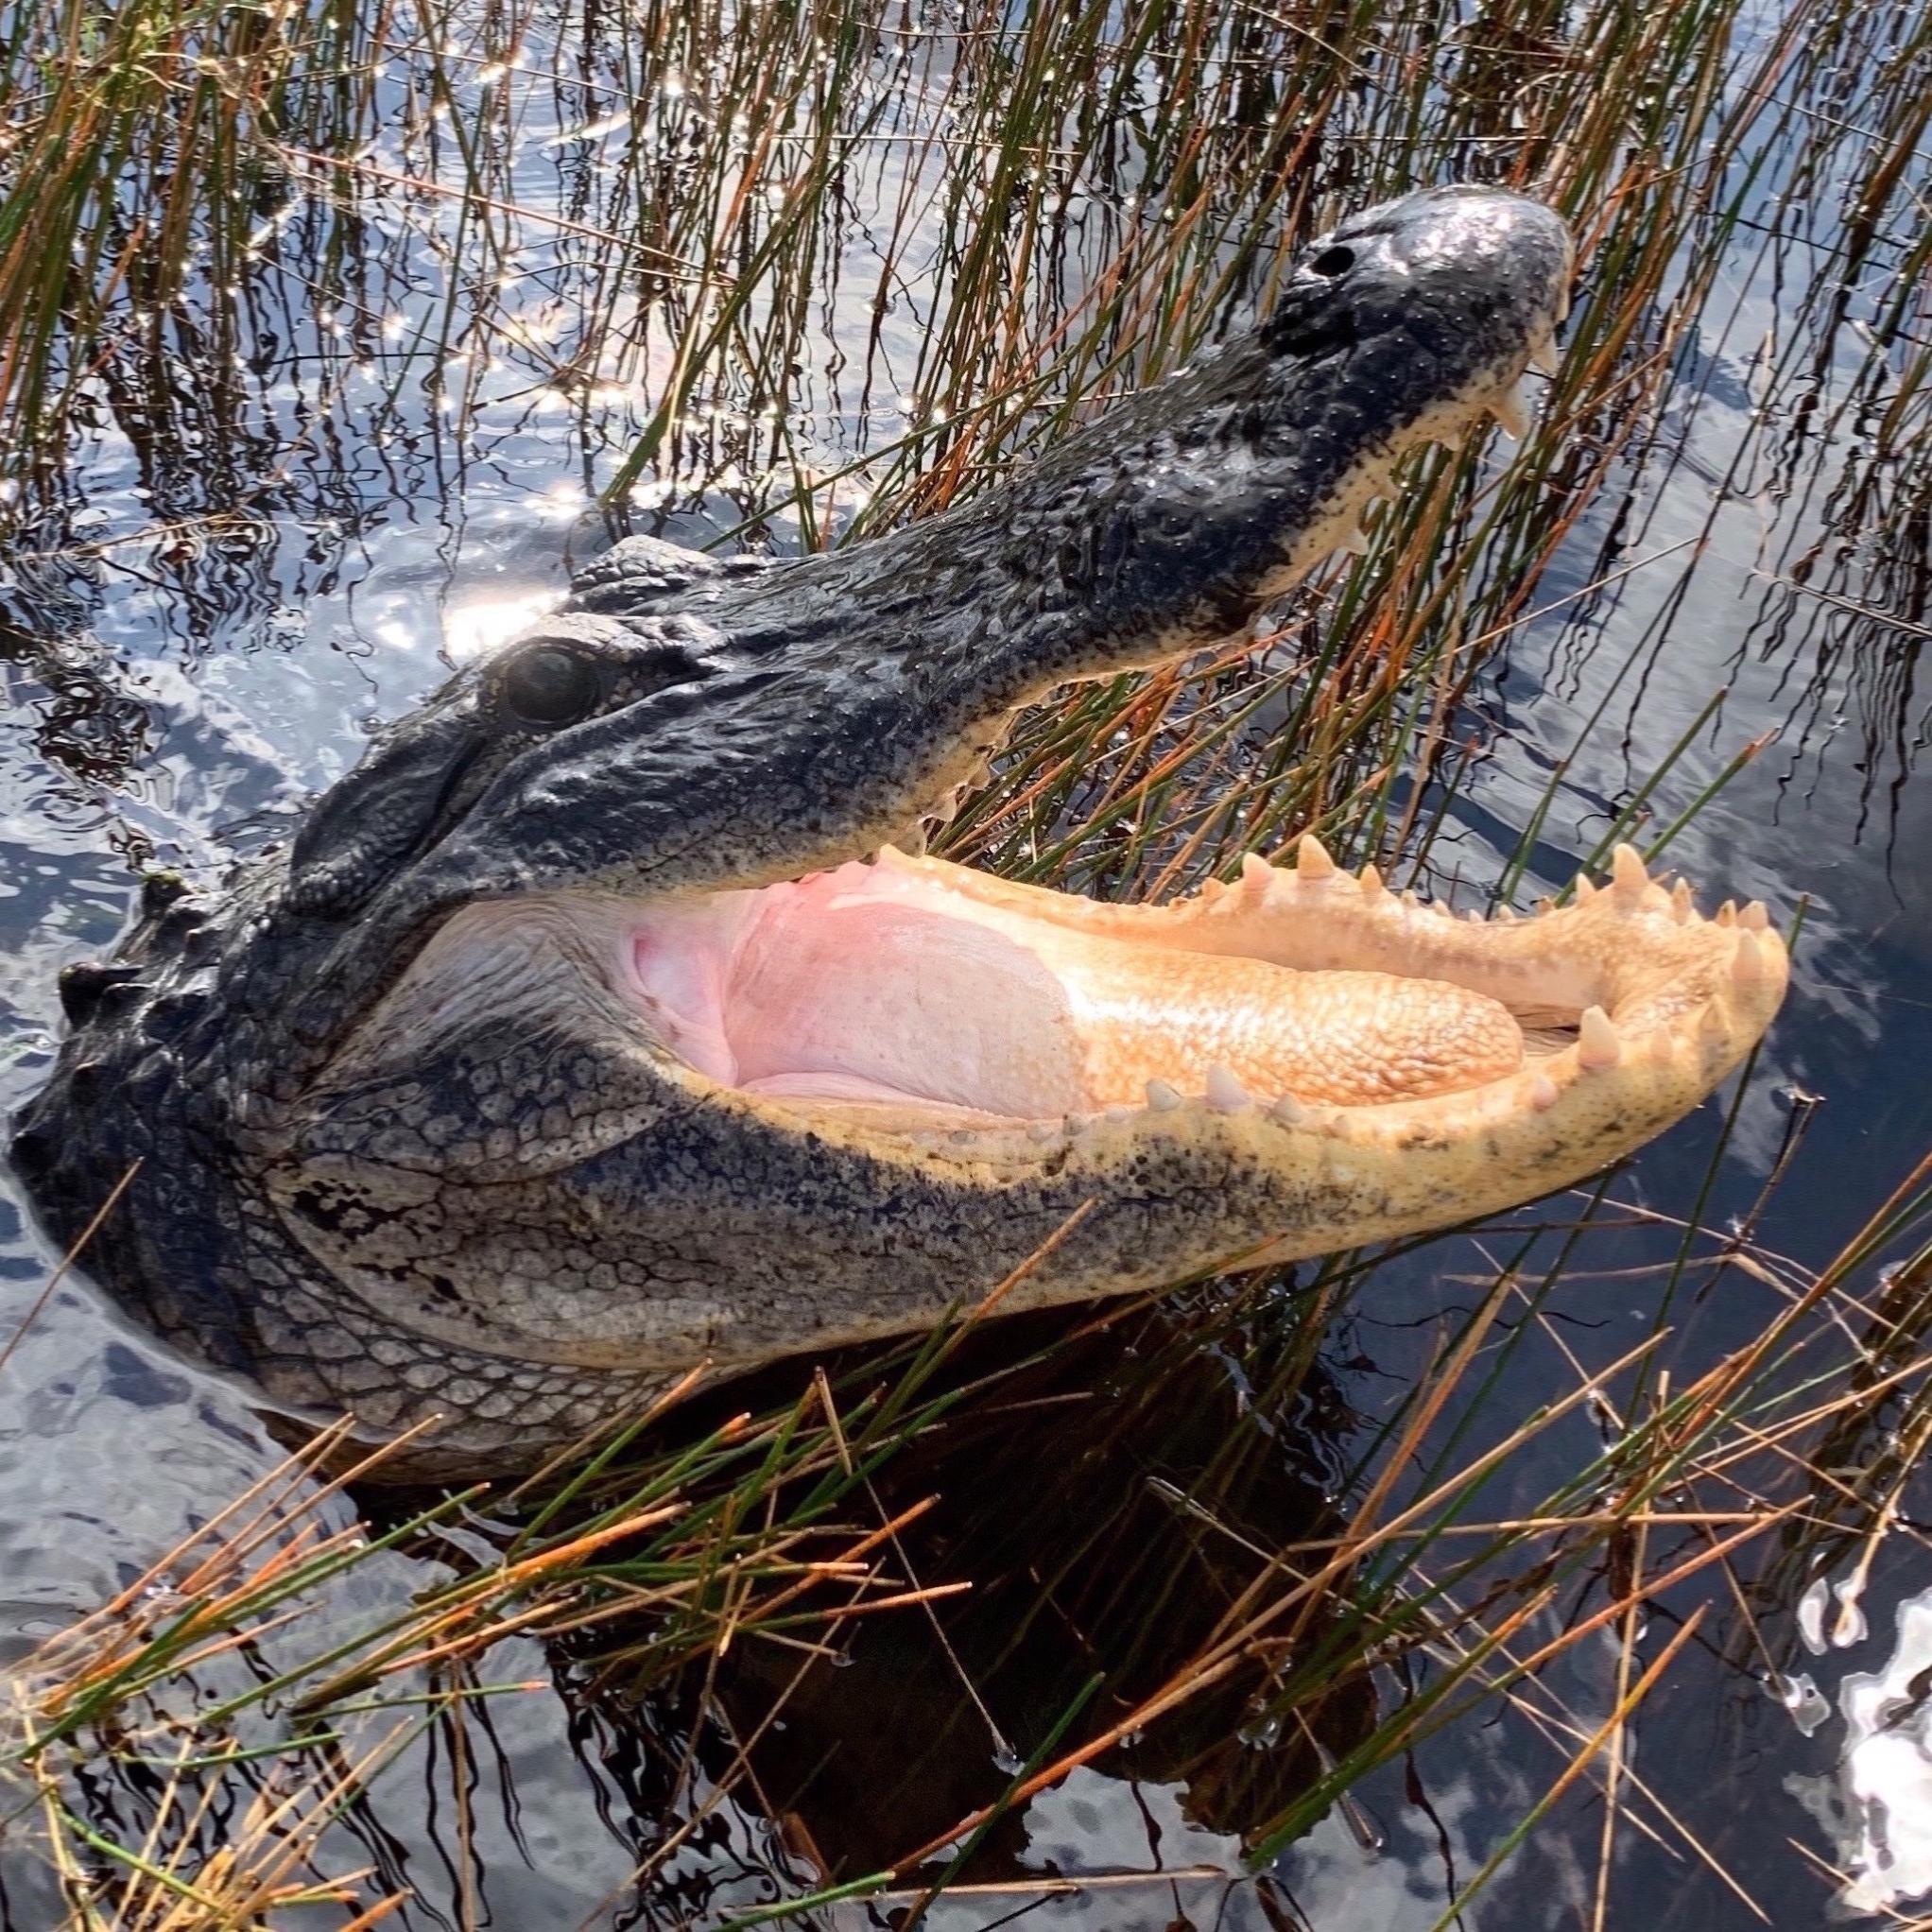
(847, 698)
(853, 692)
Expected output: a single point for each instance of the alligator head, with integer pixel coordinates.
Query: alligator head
(594, 1028)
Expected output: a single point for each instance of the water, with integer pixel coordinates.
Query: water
(223, 598)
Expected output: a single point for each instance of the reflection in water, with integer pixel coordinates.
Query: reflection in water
(475, 624)
(1110, 1503)
(785, 1764)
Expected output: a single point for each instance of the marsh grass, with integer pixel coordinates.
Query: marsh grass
(1428, 1588)
(788, 276)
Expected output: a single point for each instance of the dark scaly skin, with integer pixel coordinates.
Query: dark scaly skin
(513, 1219)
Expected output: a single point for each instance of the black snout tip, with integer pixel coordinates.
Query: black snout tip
(1466, 223)
(1478, 271)
(1462, 227)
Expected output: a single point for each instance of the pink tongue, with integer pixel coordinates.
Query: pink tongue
(888, 1000)
(857, 984)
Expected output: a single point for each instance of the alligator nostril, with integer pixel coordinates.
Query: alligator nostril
(1335, 261)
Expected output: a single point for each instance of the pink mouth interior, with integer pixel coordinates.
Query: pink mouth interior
(873, 984)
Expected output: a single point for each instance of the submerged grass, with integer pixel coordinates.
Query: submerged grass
(789, 275)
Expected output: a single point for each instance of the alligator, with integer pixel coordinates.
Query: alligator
(607, 1023)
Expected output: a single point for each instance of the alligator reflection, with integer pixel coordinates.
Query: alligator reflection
(1109, 1512)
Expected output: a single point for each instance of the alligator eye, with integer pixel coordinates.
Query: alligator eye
(551, 686)
(1332, 261)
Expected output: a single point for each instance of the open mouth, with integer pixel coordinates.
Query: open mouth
(920, 1012)
(912, 994)
(916, 1010)
(921, 992)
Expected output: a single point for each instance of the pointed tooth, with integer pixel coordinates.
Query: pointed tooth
(1511, 408)
(1753, 918)
(1543, 355)
(1626, 871)
(1442, 909)
(1584, 889)
(1727, 913)
(1119, 1116)
(1711, 1023)
(1748, 961)
(1289, 1111)
(1597, 1044)
(1356, 543)
(1312, 862)
(1162, 1097)
(1256, 873)
(1474, 916)
(1213, 888)
(1225, 1094)
(1372, 887)
(1505, 915)
(1544, 906)
(1681, 905)
(1543, 1092)
(1044, 1131)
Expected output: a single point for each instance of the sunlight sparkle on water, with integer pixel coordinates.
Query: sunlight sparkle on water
(476, 626)
(1877, 1804)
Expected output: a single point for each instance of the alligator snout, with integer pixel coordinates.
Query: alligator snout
(1438, 263)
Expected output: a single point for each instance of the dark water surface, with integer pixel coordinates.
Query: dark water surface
(217, 607)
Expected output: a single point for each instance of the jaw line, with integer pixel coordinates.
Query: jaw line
(1496, 394)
